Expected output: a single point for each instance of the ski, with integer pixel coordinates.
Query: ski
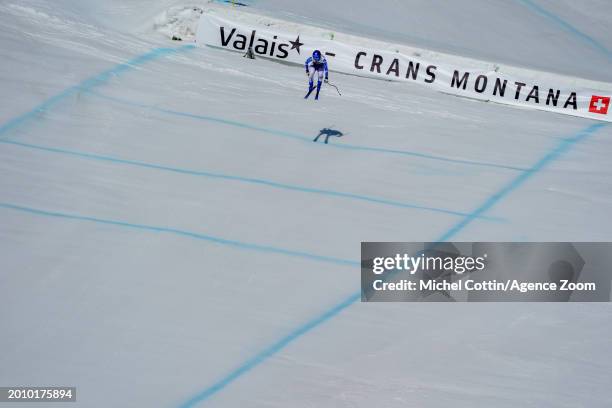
(309, 92)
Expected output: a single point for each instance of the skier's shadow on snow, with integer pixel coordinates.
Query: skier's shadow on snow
(327, 132)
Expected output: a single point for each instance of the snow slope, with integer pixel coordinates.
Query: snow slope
(567, 37)
(171, 236)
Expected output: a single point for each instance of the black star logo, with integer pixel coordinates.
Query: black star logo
(295, 45)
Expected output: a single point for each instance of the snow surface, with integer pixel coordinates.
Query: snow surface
(212, 226)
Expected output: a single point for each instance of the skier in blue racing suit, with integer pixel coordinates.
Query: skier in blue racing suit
(317, 64)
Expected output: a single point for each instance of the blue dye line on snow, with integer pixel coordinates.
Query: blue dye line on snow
(249, 180)
(184, 233)
(297, 136)
(88, 84)
(564, 146)
(235, 2)
(567, 27)
(270, 351)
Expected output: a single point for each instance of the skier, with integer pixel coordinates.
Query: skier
(316, 64)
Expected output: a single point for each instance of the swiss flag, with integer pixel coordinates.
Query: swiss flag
(599, 104)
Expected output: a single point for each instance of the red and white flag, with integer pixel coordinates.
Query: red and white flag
(599, 104)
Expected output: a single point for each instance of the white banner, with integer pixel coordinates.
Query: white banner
(387, 63)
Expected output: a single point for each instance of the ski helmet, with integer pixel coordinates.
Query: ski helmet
(316, 55)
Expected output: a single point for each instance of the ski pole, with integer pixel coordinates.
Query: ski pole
(337, 90)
